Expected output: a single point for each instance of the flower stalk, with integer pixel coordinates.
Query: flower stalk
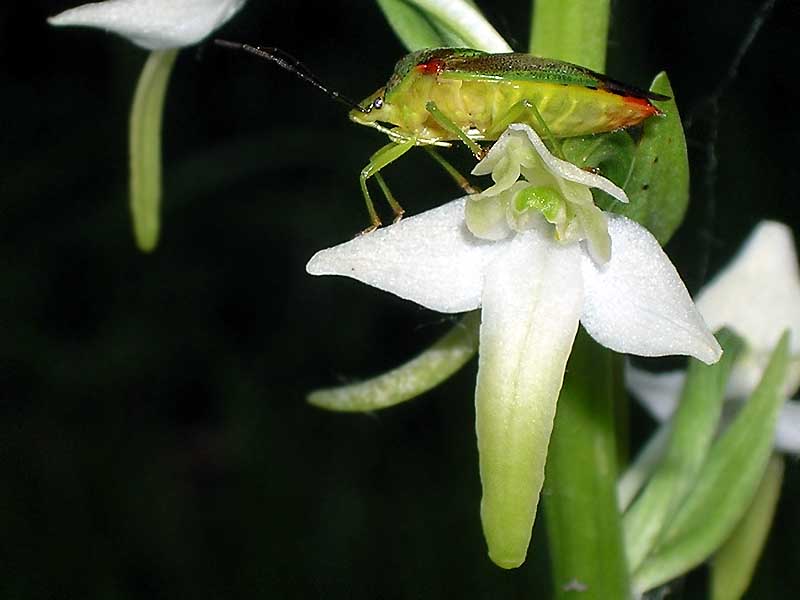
(584, 528)
(571, 30)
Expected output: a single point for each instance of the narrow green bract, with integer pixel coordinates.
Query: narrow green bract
(417, 376)
(693, 428)
(735, 562)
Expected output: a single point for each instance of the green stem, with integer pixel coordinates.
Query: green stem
(583, 524)
(571, 30)
(145, 147)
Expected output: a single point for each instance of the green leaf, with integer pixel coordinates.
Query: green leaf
(612, 154)
(735, 562)
(579, 495)
(415, 29)
(145, 147)
(692, 431)
(658, 186)
(726, 484)
(424, 372)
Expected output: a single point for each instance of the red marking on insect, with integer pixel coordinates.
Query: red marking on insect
(643, 105)
(432, 67)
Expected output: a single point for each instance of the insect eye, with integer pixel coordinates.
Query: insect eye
(377, 103)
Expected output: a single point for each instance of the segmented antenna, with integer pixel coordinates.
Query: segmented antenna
(291, 64)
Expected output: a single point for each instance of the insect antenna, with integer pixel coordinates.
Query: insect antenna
(291, 64)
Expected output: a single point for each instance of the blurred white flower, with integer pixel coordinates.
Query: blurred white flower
(153, 24)
(758, 296)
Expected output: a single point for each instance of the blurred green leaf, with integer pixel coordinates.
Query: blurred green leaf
(415, 29)
(726, 484)
(693, 428)
(735, 562)
(610, 153)
(145, 147)
(422, 373)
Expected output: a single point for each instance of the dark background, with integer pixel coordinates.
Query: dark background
(154, 437)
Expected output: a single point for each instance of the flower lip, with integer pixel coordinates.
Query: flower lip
(153, 24)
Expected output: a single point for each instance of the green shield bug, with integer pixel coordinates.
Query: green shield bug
(441, 95)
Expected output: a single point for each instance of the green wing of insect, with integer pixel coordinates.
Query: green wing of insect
(514, 66)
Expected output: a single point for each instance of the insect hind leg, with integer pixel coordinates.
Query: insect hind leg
(460, 180)
(386, 155)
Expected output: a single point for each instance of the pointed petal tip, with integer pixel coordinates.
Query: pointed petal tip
(317, 265)
(711, 353)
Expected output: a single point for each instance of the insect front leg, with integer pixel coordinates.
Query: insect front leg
(389, 153)
(519, 113)
(448, 125)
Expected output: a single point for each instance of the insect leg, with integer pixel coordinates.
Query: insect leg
(389, 153)
(398, 210)
(517, 114)
(452, 171)
(447, 123)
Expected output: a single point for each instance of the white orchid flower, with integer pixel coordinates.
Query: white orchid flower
(153, 24)
(758, 297)
(163, 27)
(535, 281)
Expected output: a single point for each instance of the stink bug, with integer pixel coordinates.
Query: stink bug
(437, 96)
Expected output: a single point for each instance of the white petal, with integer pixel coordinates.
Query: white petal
(787, 433)
(636, 303)
(565, 169)
(153, 24)
(531, 304)
(758, 293)
(429, 258)
(656, 392)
